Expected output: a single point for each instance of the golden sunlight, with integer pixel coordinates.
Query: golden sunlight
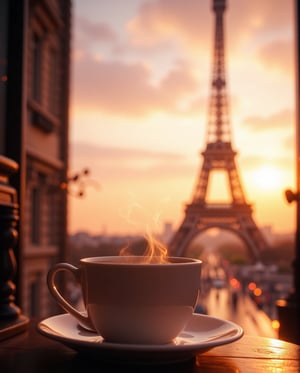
(267, 177)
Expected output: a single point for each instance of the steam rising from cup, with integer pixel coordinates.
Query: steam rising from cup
(155, 252)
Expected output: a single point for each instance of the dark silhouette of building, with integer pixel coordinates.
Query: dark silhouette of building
(200, 214)
(34, 125)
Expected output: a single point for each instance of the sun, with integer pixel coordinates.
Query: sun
(267, 177)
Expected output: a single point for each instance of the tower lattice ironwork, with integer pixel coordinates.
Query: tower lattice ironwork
(219, 155)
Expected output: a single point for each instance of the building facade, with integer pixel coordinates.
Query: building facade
(34, 124)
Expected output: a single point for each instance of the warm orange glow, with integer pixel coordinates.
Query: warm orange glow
(257, 292)
(275, 324)
(267, 177)
(235, 284)
(252, 286)
(281, 303)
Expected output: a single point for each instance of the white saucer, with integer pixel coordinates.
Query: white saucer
(201, 334)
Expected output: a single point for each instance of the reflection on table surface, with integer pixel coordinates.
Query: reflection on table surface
(32, 352)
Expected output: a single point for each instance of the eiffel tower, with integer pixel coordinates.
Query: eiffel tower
(200, 215)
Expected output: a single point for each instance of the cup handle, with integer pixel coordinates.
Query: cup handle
(76, 272)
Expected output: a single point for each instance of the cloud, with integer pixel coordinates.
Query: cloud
(257, 21)
(122, 88)
(179, 80)
(127, 163)
(89, 31)
(189, 21)
(89, 37)
(130, 87)
(163, 20)
(81, 149)
(278, 56)
(253, 162)
(113, 86)
(280, 120)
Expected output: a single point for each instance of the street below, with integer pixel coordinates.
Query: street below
(239, 308)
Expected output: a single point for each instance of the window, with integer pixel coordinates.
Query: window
(53, 82)
(36, 67)
(53, 217)
(35, 215)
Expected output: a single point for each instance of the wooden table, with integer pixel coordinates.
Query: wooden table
(30, 352)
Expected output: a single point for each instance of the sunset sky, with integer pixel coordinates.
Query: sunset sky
(140, 86)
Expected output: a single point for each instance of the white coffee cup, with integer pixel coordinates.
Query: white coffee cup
(130, 301)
